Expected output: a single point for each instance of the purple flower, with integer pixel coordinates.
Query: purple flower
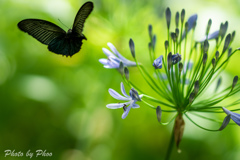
(176, 58)
(114, 59)
(234, 116)
(131, 100)
(191, 22)
(213, 35)
(158, 62)
(230, 115)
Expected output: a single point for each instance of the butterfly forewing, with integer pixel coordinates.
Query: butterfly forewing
(81, 16)
(42, 30)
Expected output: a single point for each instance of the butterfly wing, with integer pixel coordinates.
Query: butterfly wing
(80, 18)
(42, 30)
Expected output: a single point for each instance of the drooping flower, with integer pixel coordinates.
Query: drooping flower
(176, 58)
(114, 58)
(234, 116)
(191, 23)
(213, 35)
(158, 62)
(131, 100)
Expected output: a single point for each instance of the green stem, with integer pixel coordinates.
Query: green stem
(170, 147)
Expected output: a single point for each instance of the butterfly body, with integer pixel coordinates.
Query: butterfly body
(58, 41)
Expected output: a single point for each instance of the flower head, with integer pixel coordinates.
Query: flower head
(114, 58)
(131, 100)
(158, 62)
(234, 116)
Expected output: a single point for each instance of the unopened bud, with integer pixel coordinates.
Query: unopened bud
(168, 17)
(208, 26)
(159, 113)
(227, 42)
(177, 32)
(223, 29)
(214, 62)
(205, 46)
(154, 41)
(169, 60)
(182, 15)
(191, 97)
(173, 36)
(235, 80)
(126, 72)
(121, 68)
(229, 52)
(177, 19)
(166, 44)
(180, 66)
(186, 27)
(205, 58)
(132, 48)
(150, 31)
(217, 55)
(196, 87)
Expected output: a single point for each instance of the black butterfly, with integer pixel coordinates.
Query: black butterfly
(59, 41)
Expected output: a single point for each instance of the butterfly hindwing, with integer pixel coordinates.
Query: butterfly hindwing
(81, 16)
(65, 46)
(42, 30)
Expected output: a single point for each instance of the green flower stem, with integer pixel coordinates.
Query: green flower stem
(213, 130)
(170, 146)
(158, 101)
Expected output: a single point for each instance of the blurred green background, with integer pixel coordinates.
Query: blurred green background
(58, 104)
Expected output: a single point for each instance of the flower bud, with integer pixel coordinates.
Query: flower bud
(132, 48)
(154, 41)
(205, 58)
(169, 60)
(159, 113)
(150, 31)
(208, 26)
(205, 46)
(177, 19)
(191, 97)
(227, 42)
(126, 72)
(235, 80)
(223, 29)
(182, 15)
(180, 66)
(121, 68)
(166, 44)
(213, 62)
(196, 87)
(177, 32)
(173, 36)
(219, 82)
(168, 17)
(217, 55)
(229, 52)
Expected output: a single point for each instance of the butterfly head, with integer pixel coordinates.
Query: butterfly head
(69, 31)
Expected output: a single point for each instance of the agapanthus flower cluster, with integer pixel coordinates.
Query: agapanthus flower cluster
(182, 75)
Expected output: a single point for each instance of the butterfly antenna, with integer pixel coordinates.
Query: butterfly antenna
(63, 24)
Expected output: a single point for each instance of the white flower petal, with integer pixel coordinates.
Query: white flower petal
(103, 61)
(134, 105)
(117, 96)
(123, 90)
(125, 113)
(107, 52)
(115, 105)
